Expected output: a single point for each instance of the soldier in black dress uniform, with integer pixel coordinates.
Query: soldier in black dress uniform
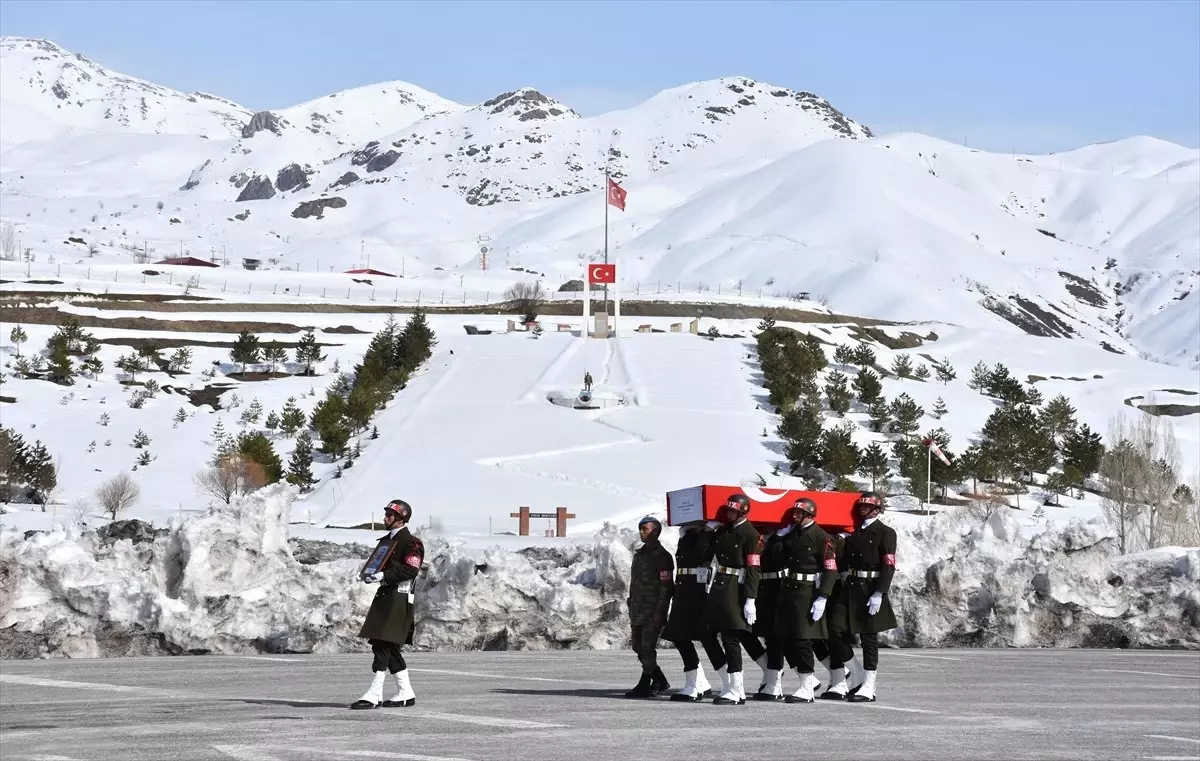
(871, 564)
(729, 608)
(807, 554)
(693, 560)
(390, 621)
(845, 671)
(764, 625)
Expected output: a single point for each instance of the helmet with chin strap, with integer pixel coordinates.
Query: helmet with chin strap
(735, 507)
(803, 507)
(868, 501)
(400, 509)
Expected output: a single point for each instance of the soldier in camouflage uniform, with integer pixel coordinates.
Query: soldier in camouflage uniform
(729, 608)
(650, 591)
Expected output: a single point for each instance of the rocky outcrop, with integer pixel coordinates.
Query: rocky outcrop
(263, 121)
(317, 208)
(349, 178)
(370, 157)
(194, 177)
(291, 177)
(257, 189)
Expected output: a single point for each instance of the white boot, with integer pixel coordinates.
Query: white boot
(837, 685)
(730, 694)
(739, 686)
(374, 694)
(866, 693)
(773, 688)
(688, 691)
(703, 688)
(723, 673)
(856, 675)
(805, 693)
(404, 696)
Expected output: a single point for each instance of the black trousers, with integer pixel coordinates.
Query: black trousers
(840, 651)
(820, 649)
(754, 648)
(731, 642)
(388, 656)
(777, 651)
(645, 644)
(800, 653)
(691, 659)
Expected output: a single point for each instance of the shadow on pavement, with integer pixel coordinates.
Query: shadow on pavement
(290, 703)
(579, 693)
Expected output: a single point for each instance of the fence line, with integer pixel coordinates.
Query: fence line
(370, 288)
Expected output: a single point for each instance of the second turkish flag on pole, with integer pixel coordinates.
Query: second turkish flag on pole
(616, 195)
(602, 273)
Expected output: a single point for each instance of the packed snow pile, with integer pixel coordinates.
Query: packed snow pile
(231, 582)
(971, 582)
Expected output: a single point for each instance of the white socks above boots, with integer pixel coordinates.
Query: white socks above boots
(837, 685)
(695, 685)
(856, 675)
(404, 696)
(805, 693)
(733, 692)
(866, 693)
(772, 689)
(374, 694)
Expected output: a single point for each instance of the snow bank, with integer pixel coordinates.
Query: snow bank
(232, 582)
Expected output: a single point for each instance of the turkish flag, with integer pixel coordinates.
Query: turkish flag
(616, 195)
(602, 273)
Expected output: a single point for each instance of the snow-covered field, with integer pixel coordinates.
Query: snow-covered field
(1080, 272)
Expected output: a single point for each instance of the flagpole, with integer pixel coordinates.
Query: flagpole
(606, 191)
(928, 476)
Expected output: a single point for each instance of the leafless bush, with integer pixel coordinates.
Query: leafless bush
(1140, 472)
(8, 243)
(232, 476)
(526, 298)
(117, 493)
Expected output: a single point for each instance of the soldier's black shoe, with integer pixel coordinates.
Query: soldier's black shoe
(767, 696)
(359, 705)
(658, 682)
(642, 690)
(856, 698)
(794, 699)
(831, 695)
(399, 703)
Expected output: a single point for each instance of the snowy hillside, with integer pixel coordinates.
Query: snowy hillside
(735, 186)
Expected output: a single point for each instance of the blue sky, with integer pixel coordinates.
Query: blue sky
(1030, 76)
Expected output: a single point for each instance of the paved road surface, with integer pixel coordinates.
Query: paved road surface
(568, 706)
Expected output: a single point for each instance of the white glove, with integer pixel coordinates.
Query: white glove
(818, 609)
(873, 603)
(374, 578)
(749, 612)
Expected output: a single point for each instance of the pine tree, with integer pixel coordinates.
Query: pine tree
(253, 412)
(921, 372)
(1082, 452)
(104, 419)
(881, 415)
(274, 355)
(902, 366)
(257, 448)
(864, 356)
(130, 363)
(374, 432)
(140, 439)
(40, 474)
(837, 392)
(245, 349)
(838, 454)
(939, 408)
(181, 415)
(18, 336)
(938, 472)
(300, 465)
(1002, 385)
(868, 387)
(980, 374)
(180, 360)
(945, 371)
(292, 418)
(874, 464)
(308, 353)
(843, 355)
(415, 343)
(906, 415)
(62, 370)
(272, 421)
(1059, 417)
(766, 323)
(801, 428)
(1033, 397)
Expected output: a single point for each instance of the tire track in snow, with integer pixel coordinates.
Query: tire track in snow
(552, 372)
(640, 398)
(499, 461)
(587, 483)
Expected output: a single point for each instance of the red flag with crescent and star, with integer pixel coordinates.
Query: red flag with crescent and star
(616, 195)
(602, 273)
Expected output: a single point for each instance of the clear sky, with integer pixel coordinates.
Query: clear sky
(1031, 76)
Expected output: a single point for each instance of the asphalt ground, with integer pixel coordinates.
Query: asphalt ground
(567, 706)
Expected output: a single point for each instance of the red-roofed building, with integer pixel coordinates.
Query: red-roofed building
(188, 261)
(368, 271)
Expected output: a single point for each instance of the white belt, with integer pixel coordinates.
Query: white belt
(701, 574)
(813, 577)
(865, 574)
(774, 574)
(739, 572)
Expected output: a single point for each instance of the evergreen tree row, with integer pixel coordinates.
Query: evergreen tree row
(27, 473)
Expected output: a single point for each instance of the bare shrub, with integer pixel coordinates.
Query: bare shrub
(1140, 472)
(231, 476)
(526, 298)
(8, 242)
(117, 493)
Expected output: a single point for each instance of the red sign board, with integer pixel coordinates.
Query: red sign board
(767, 506)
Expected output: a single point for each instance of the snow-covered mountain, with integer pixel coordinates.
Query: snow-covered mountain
(734, 184)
